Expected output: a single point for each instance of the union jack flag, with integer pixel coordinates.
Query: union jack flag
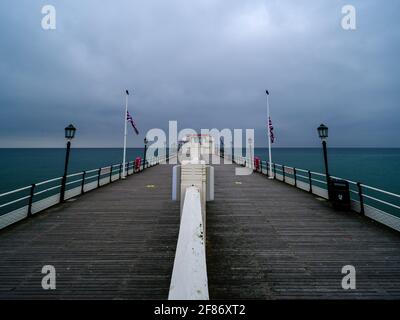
(130, 119)
(271, 130)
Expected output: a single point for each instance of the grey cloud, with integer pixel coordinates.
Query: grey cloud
(203, 63)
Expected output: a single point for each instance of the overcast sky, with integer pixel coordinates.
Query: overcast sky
(204, 63)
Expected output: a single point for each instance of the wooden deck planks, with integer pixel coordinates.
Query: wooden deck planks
(268, 240)
(265, 240)
(113, 243)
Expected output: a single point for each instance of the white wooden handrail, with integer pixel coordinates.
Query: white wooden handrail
(189, 276)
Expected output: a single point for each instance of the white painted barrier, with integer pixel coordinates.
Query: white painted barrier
(189, 276)
(193, 186)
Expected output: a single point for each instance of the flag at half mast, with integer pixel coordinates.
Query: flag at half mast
(130, 120)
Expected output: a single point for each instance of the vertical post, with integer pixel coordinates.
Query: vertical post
(83, 182)
(144, 156)
(32, 193)
(269, 130)
(310, 180)
(362, 211)
(274, 171)
(111, 171)
(120, 170)
(64, 178)
(295, 177)
(251, 157)
(125, 124)
(98, 177)
(326, 168)
(283, 173)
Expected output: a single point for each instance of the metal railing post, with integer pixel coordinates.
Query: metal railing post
(83, 182)
(63, 186)
(120, 170)
(362, 211)
(295, 177)
(32, 193)
(283, 173)
(310, 180)
(274, 170)
(98, 178)
(111, 169)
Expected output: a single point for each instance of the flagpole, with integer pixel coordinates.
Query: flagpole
(125, 125)
(269, 139)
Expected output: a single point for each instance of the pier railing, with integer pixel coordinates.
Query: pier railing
(24, 202)
(380, 205)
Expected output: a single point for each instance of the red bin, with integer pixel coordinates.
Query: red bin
(257, 162)
(138, 162)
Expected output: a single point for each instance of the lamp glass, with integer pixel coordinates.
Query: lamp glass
(323, 132)
(70, 132)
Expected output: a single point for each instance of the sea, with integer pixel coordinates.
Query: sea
(379, 168)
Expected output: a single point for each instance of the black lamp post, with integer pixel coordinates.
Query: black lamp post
(145, 151)
(323, 134)
(69, 135)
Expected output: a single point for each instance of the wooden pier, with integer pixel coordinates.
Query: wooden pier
(269, 240)
(116, 242)
(265, 240)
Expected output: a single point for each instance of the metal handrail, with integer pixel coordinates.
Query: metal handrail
(381, 201)
(276, 167)
(72, 182)
(74, 174)
(380, 190)
(317, 180)
(47, 181)
(46, 190)
(14, 201)
(14, 191)
(318, 173)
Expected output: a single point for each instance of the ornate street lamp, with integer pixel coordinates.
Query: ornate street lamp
(323, 134)
(69, 135)
(70, 132)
